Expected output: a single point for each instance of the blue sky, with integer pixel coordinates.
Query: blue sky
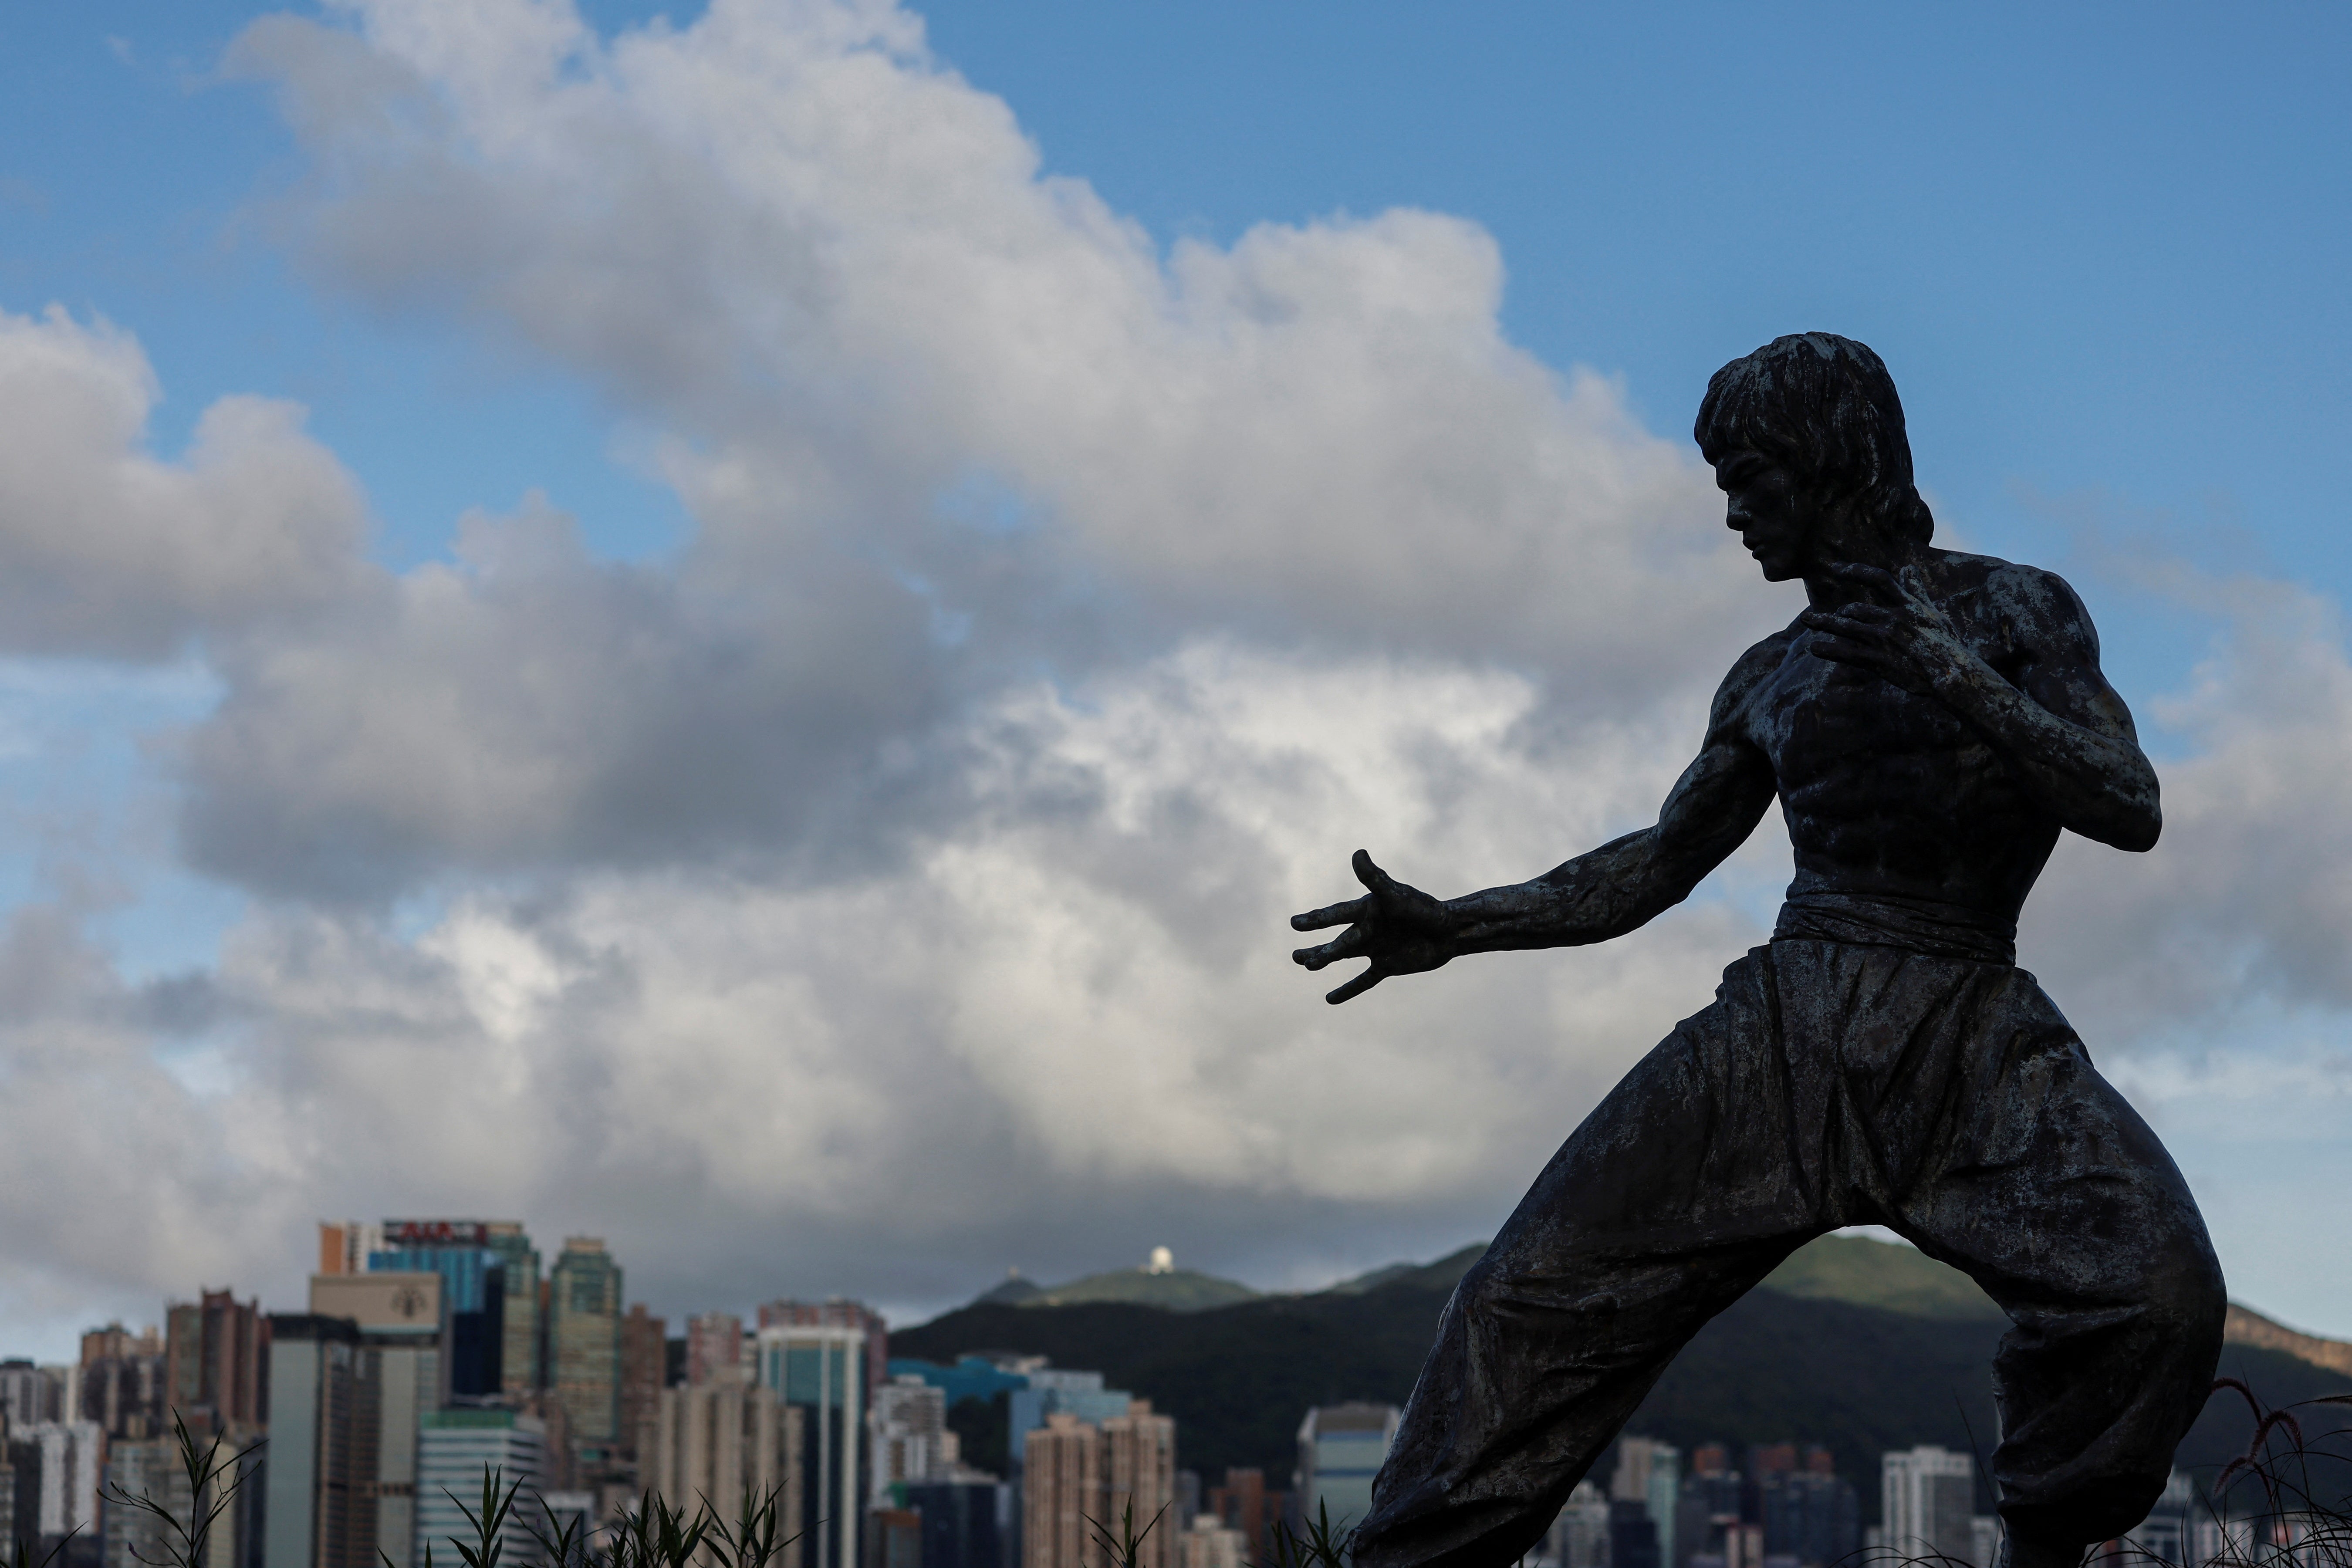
(2100, 246)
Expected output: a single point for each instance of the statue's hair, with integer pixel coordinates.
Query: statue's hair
(1824, 408)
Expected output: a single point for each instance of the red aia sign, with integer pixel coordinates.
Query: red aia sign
(435, 1233)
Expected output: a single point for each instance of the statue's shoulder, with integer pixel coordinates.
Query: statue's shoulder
(2014, 592)
(1751, 668)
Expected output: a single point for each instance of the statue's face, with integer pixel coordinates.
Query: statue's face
(1777, 519)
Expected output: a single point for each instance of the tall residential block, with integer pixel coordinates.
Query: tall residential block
(1061, 1494)
(837, 1313)
(1927, 1503)
(1341, 1448)
(401, 1357)
(584, 1347)
(966, 1523)
(1140, 1480)
(452, 1448)
(822, 1366)
(1650, 1472)
(721, 1440)
(644, 1362)
(910, 1440)
(714, 1348)
(323, 1412)
(216, 1352)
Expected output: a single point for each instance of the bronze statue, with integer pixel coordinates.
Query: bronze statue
(1930, 724)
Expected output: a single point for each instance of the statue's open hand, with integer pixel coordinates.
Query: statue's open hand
(1890, 630)
(1401, 930)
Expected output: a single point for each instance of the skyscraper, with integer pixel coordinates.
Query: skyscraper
(910, 1437)
(1061, 1492)
(400, 1356)
(1140, 1480)
(1928, 1503)
(839, 1312)
(216, 1352)
(584, 1347)
(124, 1379)
(453, 1448)
(722, 1440)
(1341, 1448)
(714, 1348)
(323, 1410)
(645, 1360)
(346, 1247)
(1650, 1472)
(821, 1367)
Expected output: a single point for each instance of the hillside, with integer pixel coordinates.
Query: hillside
(1169, 1289)
(1778, 1364)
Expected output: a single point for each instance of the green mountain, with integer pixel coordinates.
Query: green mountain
(1860, 1376)
(1882, 1274)
(1169, 1290)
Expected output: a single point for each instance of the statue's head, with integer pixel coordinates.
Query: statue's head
(1806, 436)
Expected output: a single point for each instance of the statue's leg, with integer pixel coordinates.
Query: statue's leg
(1679, 1192)
(2045, 1185)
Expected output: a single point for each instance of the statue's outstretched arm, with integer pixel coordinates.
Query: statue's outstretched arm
(1607, 892)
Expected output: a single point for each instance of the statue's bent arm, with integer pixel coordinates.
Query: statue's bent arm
(1629, 881)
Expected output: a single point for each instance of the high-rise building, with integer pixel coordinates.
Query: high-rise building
(1053, 1391)
(822, 1366)
(584, 1347)
(1810, 1515)
(402, 1356)
(216, 1353)
(645, 1362)
(714, 1348)
(1341, 1448)
(1650, 1472)
(1212, 1544)
(346, 1247)
(2169, 1533)
(1927, 1503)
(1245, 1504)
(323, 1412)
(1139, 1482)
(1579, 1536)
(59, 1468)
(454, 1448)
(910, 1440)
(143, 1468)
(30, 1394)
(722, 1441)
(839, 1312)
(123, 1378)
(1061, 1494)
(965, 1522)
(1633, 1534)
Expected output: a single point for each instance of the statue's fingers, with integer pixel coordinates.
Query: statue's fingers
(1876, 580)
(1355, 987)
(1846, 650)
(1331, 915)
(1370, 875)
(1349, 943)
(1832, 624)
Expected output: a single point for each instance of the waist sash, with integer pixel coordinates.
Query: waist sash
(1887, 919)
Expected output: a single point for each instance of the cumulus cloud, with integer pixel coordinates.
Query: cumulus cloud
(942, 421)
(2245, 896)
(107, 550)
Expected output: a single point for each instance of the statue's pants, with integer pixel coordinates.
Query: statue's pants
(1830, 1084)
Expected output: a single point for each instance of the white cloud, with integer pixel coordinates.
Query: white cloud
(107, 550)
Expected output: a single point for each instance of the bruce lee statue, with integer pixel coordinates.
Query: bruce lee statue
(1930, 724)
